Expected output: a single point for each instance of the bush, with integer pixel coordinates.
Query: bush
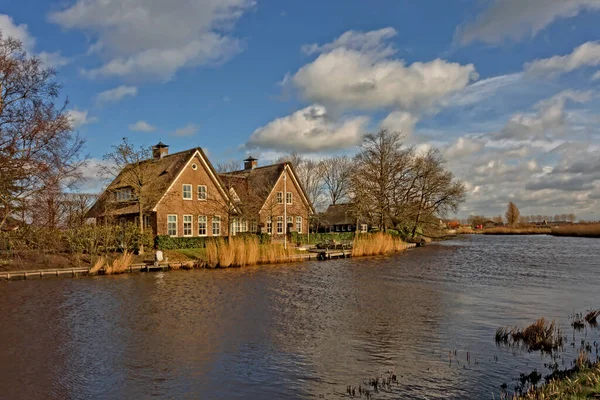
(321, 237)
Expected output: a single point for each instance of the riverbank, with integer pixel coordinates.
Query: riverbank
(222, 253)
(525, 230)
(580, 383)
(589, 230)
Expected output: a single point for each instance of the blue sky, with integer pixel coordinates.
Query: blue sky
(506, 89)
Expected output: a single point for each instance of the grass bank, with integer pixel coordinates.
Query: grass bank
(591, 230)
(520, 230)
(583, 382)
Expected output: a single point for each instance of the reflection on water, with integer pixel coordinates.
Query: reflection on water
(297, 331)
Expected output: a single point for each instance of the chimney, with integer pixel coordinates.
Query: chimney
(160, 150)
(250, 163)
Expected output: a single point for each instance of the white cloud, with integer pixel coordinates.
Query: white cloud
(356, 71)
(516, 19)
(9, 28)
(311, 129)
(596, 76)
(188, 130)
(462, 147)
(400, 121)
(142, 126)
(483, 89)
(116, 94)
(586, 55)
(80, 118)
(360, 41)
(149, 39)
(548, 122)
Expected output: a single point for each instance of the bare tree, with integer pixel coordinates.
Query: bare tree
(131, 164)
(310, 174)
(512, 214)
(439, 191)
(337, 175)
(571, 217)
(37, 147)
(228, 166)
(379, 174)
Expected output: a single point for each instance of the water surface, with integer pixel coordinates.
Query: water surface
(297, 331)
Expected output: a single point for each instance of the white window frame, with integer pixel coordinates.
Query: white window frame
(203, 222)
(280, 225)
(269, 225)
(169, 223)
(289, 198)
(216, 223)
(183, 187)
(253, 226)
(364, 228)
(191, 222)
(279, 197)
(205, 193)
(299, 224)
(123, 194)
(244, 225)
(290, 221)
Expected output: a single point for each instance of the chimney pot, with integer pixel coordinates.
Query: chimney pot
(160, 150)
(250, 163)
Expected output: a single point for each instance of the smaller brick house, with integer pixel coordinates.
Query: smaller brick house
(186, 197)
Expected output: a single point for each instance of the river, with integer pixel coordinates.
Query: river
(305, 330)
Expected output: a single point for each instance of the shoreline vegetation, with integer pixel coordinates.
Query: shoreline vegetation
(237, 251)
(574, 230)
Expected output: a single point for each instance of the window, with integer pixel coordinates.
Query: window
(253, 226)
(216, 225)
(280, 225)
(269, 225)
(187, 225)
(279, 197)
(299, 224)
(244, 225)
(146, 221)
(288, 197)
(172, 225)
(194, 166)
(235, 226)
(124, 194)
(364, 228)
(349, 228)
(290, 223)
(202, 221)
(187, 192)
(202, 192)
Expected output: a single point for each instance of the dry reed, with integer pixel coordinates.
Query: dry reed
(375, 244)
(540, 335)
(97, 266)
(589, 230)
(119, 265)
(244, 251)
(524, 230)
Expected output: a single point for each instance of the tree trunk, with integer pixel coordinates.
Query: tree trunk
(141, 217)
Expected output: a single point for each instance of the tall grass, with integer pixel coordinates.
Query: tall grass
(377, 243)
(590, 230)
(244, 251)
(522, 230)
(119, 265)
(540, 336)
(97, 266)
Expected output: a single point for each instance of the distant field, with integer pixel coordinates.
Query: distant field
(524, 230)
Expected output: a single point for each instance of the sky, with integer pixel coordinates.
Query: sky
(508, 90)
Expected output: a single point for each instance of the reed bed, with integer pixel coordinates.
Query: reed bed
(523, 230)
(590, 230)
(465, 230)
(244, 251)
(541, 335)
(119, 265)
(375, 244)
(100, 262)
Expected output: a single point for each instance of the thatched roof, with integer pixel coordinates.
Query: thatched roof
(341, 214)
(163, 172)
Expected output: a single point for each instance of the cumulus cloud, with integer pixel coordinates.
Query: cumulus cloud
(400, 121)
(20, 31)
(463, 147)
(311, 129)
(150, 40)
(142, 126)
(357, 71)
(547, 123)
(116, 94)
(596, 76)
(188, 130)
(517, 19)
(586, 55)
(80, 118)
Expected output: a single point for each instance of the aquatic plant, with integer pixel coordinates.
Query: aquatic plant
(539, 336)
(119, 264)
(375, 244)
(591, 317)
(100, 261)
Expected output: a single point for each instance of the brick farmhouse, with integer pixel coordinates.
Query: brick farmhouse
(186, 197)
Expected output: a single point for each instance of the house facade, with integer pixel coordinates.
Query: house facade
(184, 196)
(343, 218)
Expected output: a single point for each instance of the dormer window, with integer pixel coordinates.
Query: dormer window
(123, 194)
